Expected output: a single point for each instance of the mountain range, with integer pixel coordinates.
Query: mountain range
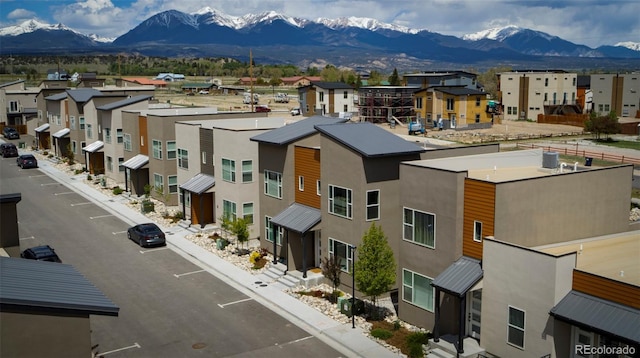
(350, 42)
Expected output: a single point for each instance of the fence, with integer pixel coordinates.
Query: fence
(584, 153)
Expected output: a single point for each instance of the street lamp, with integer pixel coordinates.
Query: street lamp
(353, 287)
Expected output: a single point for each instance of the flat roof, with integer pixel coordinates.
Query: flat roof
(616, 256)
(178, 111)
(239, 124)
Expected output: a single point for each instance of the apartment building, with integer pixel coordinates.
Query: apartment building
(441, 78)
(326, 98)
(618, 92)
(449, 107)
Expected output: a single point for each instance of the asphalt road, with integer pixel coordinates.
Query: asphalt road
(169, 306)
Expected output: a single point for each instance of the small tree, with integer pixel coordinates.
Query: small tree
(599, 125)
(70, 155)
(394, 79)
(331, 270)
(375, 268)
(240, 228)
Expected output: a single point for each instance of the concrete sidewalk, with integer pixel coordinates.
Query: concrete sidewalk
(348, 341)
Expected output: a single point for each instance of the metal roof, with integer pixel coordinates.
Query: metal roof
(456, 90)
(125, 102)
(36, 285)
(369, 140)
(199, 184)
(297, 217)
(459, 277)
(331, 85)
(294, 131)
(42, 128)
(61, 133)
(57, 97)
(83, 95)
(136, 162)
(602, 316)
(93, 147)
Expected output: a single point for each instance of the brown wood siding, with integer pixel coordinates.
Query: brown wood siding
(606, 289)
(307, 165)
(479, 205)
(144, 135)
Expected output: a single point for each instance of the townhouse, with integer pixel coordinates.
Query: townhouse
(441, 78)
(326, 98)
(18, 105)
(619, 92)
(451, 107)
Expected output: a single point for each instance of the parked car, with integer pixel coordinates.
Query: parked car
(10, 133)
(27, 161)
(203, 92)
(41, 253)
(8, 150)
(295, 112)
(262, 108)
(148, 234)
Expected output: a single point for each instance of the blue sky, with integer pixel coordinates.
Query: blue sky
(589, 22)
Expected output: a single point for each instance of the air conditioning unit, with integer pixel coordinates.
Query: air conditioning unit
(550, 160)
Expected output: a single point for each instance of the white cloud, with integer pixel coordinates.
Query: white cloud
(21, 14)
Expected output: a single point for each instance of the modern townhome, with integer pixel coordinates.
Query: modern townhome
(18, 105)
(326, 98)
(289, 173)
(451, 107)
(150, 152)
(529, 93)
(442, 78)
(619, 92)
(41, 128)
(451, 205)
(381, 104)
(218, 168)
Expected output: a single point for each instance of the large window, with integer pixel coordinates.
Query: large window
(340, 201)
(515, 329)
(477, 231)
(420, 227)
(120, 166)
(273, 184)
(373, 204)
(450, 104)
(89, 130)
(247, 171)
(247, 212)
(158, 182)
(157, 149)
(229, 170)
(81, 122)
(183, 158)
(173, 183)
(120, 137)
(171, 149)
(417, 290)
(343, 252)
(107, 135)
(109, 163)
(72, 123)
(229, 209)
(269, 231)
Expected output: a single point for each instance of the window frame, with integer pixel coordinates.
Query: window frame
(512, 325)
(477, 237)
(277, 181)
(107, 135)
(157, 176)
(228, 170)
(348, 201)
(412, 225)
(268, 229)
(156, 149)
(248, 216)
(172, 185)
(412, 286)
(247, 174)
(172, 153)
(183, 158)
(233, 209)
(369, 205)
(348, 254)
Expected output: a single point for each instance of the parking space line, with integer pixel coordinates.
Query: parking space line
(135, 345)
(99, 216)
(119, 232)
(178, 275)
(27, 238)
(64, 193)
(85, 203)
(294, 341)
(234, 302)
(154, 250)
(45, 184)
(37, 176)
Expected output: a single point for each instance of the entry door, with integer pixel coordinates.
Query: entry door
(581, 338)
(474, 307)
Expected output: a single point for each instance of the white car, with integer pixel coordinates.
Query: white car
(203, 92)
(295, 112)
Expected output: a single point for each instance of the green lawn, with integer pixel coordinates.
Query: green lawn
(619, 143)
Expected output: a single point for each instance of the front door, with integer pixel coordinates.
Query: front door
(474, 307)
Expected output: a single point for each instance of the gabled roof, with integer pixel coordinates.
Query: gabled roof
(83, 95)
(39, 285)
(145, 81)
(458, 278)
(7, 84)
(297, 217)
(199, 183)
(298, 130)
(369, 140)
(125, 102)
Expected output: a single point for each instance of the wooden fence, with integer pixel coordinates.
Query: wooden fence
(584, 153)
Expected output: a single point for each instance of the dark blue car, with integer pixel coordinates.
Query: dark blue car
(27, 161)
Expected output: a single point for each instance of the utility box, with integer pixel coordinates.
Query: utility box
(346, 303)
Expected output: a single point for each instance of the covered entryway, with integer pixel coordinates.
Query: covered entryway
(94, 157)
(43, 139)
(200, 187)
(61, 141)
(136, 174)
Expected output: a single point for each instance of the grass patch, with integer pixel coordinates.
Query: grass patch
(570, 159)
(625, 144)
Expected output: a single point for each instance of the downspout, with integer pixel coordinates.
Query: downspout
(126, 179)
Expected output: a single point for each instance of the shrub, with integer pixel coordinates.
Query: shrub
(117, 190)
(381, 333)
(396, 325)
(45, 153)
(89, 177)
(50, 156)
(78, 171)
(415, 341)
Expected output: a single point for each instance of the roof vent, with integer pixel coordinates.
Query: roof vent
(550, 160)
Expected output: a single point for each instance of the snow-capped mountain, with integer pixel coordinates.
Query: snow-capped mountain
(30, 26)
(635, 46)
(363, 23)
(496, 33)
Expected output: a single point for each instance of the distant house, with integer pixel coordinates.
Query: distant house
(299, 81)
(57, 74)
(170, 77)
(124, 82)
(326, 98)
(247, 81)
(197, 87)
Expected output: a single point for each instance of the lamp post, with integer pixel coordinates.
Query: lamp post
(353, 288)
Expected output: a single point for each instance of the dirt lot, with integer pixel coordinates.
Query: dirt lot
(226, 102)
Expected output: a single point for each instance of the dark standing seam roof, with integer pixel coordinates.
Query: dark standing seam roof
(199, 183)
(606, 317)
(297, 217)
(369, 140)
(459, 277)
(331, 85)
(84, 94)
(124, 102)
(294, 131)
(37, 285)
(57, 97)
(457, 91)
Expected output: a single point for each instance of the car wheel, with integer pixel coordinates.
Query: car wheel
(140, 243)
(128, 235)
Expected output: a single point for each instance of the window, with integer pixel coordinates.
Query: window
(120, 138)
(340, 201)
(109, 163)
(172, 181)
(343, 252)
(81, 122)
(183, 158)
(546, 82)
(273, 184)
(13, 106)
(300, 183)
(158, 182)
(82, 145)
(373, 204)
(345, 108)
(321, 96)
(184, 197)
(477, 118)
(229, 170)
(417, 290)
(420, 227)
(171, 149)
(515, 328)
(419, 102)
(204, 157)
(450, 104)
(157, 149)
(89, 131)
(120, 166)
(247, 171)
(247, 212)
(107, 135)
(477, 231)
(229, 209)
(318, 188)
(345, 95)
(269, 231)
(72, 122)
(58, 119)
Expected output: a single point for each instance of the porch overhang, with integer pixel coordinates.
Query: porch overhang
(297, 217)
(42, 128)
(93, 147)
(199, 184)
(136, 162)
(460, 277)
(62, 133)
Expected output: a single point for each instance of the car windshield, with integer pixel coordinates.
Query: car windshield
(28, 157)
(150, 229)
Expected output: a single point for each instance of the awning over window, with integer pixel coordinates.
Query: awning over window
(297, 217)
(94, 147)
(136, 162)
(598, 315)
(199, 183)
(458, 278)
(42, 128)
(62, 133)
